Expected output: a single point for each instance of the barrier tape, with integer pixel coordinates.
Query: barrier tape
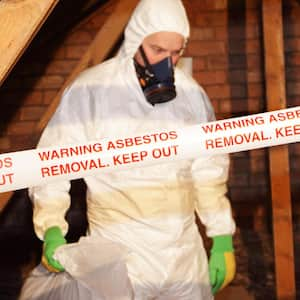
(40, 166)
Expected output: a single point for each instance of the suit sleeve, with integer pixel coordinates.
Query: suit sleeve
(210, 176)
(51, 201)
(212, 205)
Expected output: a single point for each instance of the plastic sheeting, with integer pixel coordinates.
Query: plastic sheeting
(95, 269)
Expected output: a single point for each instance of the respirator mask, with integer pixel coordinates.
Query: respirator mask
(156, 80)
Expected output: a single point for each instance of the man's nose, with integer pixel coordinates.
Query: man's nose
(174, 57)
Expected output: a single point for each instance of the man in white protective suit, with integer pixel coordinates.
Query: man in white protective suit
(150, 210)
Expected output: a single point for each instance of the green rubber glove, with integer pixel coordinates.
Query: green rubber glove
(53, 238)
(221, 262)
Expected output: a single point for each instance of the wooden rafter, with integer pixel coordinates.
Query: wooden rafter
(20, 21)
(278, 156)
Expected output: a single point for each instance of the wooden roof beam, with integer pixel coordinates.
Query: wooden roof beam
(279, 156)
(20, 21)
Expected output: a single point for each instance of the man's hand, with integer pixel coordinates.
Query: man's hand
(221, 262)
(52, 240)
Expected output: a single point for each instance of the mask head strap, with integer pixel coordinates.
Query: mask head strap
(145, 59)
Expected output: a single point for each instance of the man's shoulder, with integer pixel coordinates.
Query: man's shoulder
(186, 79)
(197, 97)
(188, 82)
(96, 74)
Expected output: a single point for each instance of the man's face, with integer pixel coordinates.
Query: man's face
(160, 45)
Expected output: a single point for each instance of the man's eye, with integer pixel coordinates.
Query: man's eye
(158, 50)
(175, 53)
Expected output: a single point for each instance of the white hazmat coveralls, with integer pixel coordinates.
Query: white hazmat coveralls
(150, 210)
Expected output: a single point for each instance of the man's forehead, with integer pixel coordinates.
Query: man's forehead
(165, 39)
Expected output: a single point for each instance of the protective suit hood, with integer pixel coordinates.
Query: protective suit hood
(151, 16)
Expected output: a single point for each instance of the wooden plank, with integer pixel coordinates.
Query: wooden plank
(19, 22)
(101, 46)
(278, 156)
(4, 197)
